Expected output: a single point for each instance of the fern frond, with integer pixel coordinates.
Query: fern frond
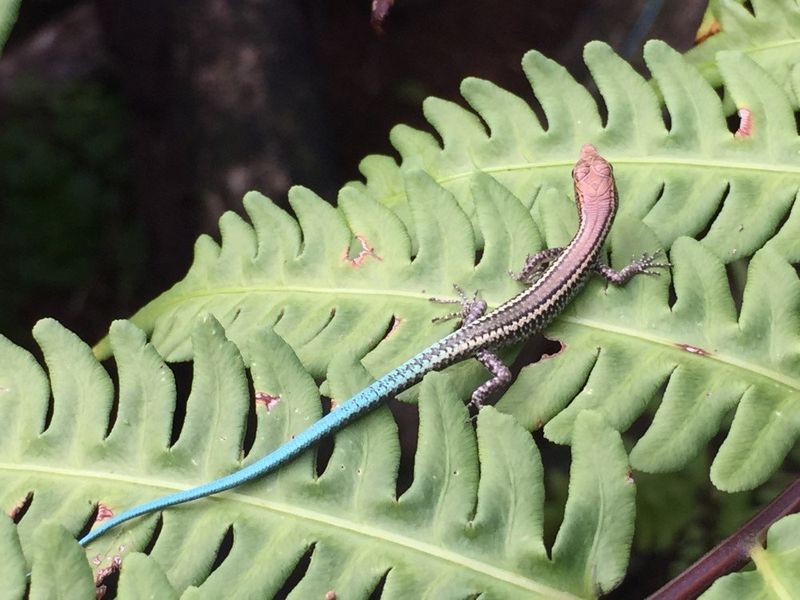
(319, 285)
(470, 524)
(13, 566)
(686, 179)
(59, 568)
(770, 35)
(356, 279)
(623, 346)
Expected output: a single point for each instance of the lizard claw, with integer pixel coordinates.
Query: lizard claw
(471, 308)
(646, 264)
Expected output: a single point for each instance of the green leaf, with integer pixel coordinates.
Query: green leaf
(59, 569)
(593, 540)
(768, 35)
(357, 279)
(676, 179)
(470, 523)
(8, 16)
(12, 564)
(143, 579)
(693, 178)
(777, 567)
(710, 361)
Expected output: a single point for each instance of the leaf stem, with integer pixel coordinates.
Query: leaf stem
(733, 553)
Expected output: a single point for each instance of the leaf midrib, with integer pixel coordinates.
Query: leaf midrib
(792, 383)
(458, 560)
(748, 50)
(650, 161)
(789, 382)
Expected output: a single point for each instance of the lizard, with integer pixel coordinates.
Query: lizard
(553, 277)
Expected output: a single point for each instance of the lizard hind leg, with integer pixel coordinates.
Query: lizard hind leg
(501, 376)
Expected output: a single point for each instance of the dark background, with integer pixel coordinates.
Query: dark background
(127, 128)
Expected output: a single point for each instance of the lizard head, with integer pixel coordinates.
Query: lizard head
(594, 180)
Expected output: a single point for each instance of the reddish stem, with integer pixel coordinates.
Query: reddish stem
(733, 553)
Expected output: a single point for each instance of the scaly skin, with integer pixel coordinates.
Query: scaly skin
(480, 336)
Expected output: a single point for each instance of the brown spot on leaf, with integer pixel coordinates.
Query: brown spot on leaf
(103, 513)
(102, 574)
(396, 322)
(19, 508)
(745, 123)
(366, 250)
(706, 30)
(267, 400)
(693, 350)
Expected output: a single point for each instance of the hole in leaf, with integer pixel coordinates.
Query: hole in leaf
(555, 463)
(672, 296)
(645, 419)
(733, 121)
(377, 592)
(224, 549)
(602, 107)
(113, 372)
(148, 548)
(720, 205)
(533, 350)
(183, 387)
(296, 575)
(325, 445)
(434, 133)
(107, 583)
(667, 117)
(278, 317)
(736, 272)
(749, 7)
(48, 416)
(538, 110)
(658, 195)
(392, 324)
(90, 520)
(18, 511)
(406, 416)
(251, 424)
(478, 256)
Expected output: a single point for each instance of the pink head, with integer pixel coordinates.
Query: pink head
(594, 181)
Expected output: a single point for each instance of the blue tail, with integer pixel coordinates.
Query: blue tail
(390, 384)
